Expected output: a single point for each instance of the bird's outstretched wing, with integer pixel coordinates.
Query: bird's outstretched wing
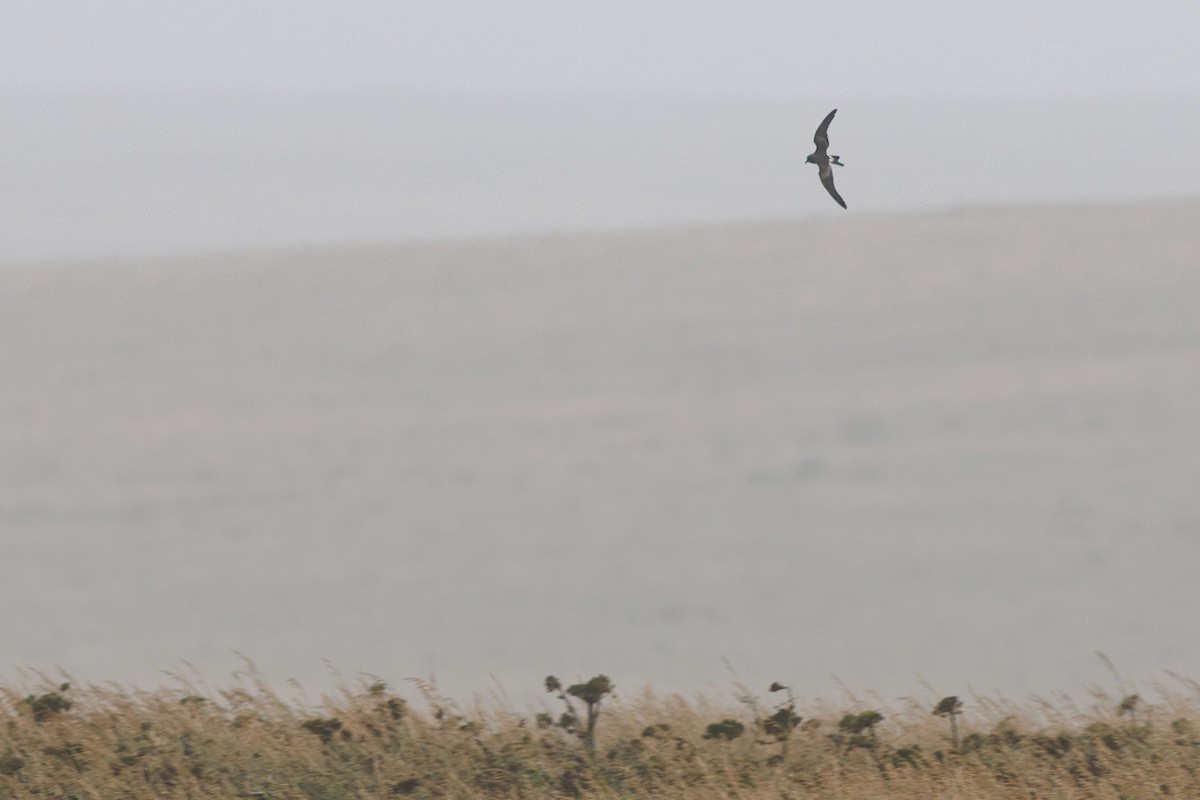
(827, 182)
(821, 137)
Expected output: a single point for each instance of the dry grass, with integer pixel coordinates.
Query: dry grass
(249, 742)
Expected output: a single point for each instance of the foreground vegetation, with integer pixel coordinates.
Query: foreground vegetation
(60, 741)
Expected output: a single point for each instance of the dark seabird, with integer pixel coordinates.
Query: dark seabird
(823, 161)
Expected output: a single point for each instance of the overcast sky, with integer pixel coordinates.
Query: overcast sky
(545, 128)
(771, 47)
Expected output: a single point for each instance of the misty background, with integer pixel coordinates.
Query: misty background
(138, 129)
(505, 339)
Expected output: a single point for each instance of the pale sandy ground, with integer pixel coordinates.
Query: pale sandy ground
(960, 445)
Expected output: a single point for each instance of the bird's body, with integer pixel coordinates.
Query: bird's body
(823, 160)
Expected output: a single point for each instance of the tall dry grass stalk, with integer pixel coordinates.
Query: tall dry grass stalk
(60, 741)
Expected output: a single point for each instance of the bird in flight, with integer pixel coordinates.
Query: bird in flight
(823, 161)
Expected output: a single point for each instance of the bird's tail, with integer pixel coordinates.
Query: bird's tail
(836, 160)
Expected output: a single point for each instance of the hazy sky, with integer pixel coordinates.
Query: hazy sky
(777, 47)
(544, 129)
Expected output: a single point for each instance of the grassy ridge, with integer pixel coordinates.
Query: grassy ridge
(97, 742)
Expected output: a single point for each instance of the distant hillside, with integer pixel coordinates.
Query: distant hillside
(958, 445)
